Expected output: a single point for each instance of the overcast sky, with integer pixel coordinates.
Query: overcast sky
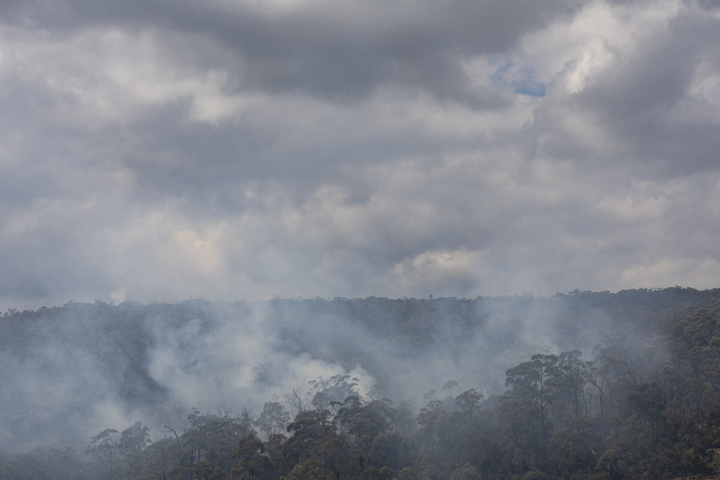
(160, 150)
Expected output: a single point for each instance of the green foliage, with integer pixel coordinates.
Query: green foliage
(571, 450)
(273, 418)
(468, 472)
(535, 475)
(469, 403)
(307, 469)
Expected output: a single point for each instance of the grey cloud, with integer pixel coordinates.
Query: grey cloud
(643, 102)
(640, 103)
(709, 4)
(330, 50)
(349, 154)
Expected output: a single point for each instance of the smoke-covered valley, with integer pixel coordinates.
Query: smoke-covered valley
(69, 372)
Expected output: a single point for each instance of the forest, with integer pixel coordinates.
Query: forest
(592, 385)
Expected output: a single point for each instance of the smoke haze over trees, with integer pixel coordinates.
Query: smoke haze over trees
(101, 378)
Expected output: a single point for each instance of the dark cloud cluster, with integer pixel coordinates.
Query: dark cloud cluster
(327, 49)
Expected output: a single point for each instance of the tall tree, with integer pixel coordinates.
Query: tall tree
(104, 448)
(273, 419)
(536, 382)
(469, 403)
(133, 444)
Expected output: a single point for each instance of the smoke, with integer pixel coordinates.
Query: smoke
(73, 371)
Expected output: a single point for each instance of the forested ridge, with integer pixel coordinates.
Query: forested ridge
(638, 398)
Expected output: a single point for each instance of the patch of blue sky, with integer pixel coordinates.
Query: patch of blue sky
(520, 78)
(533, 89)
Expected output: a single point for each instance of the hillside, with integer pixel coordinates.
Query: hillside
(485, 387)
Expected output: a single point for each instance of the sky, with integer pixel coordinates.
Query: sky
(160, 150)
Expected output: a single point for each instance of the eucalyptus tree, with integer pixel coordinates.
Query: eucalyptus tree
(537, 383)
(104, 448)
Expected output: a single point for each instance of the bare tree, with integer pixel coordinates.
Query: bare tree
(294, 396)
